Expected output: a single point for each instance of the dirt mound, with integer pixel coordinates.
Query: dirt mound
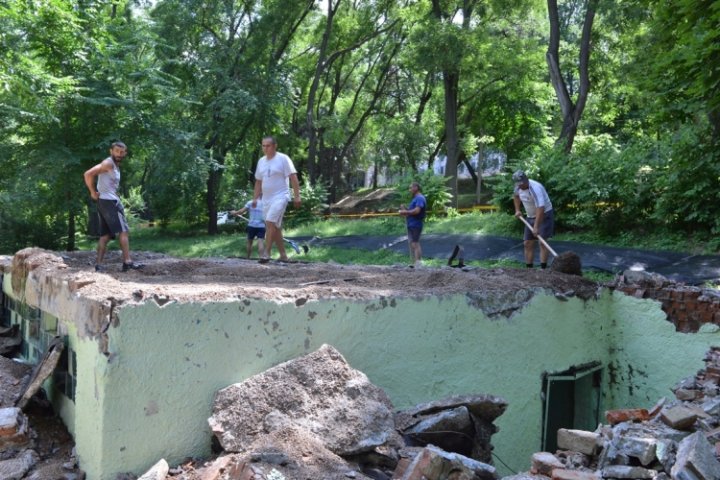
(381, 199)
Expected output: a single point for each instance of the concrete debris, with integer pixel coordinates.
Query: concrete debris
(16, 468)
(13, 428)
(680, 440)
(679, 417)
(578, 441)
(433, 463)
(696, 459)
(544, 463)
(318, 392)
(316, 417)
(158, 471)
(461, 424)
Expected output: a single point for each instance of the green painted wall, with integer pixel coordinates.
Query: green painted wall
(166, 363)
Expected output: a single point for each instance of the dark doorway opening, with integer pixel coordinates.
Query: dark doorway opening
(571, 399)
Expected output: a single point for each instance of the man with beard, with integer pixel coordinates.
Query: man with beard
(109, 206)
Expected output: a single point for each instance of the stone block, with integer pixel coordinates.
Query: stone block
(644, 449)
(578, 440)
(627, 415)
(678, 417)
(563, 474)
(543, 463)
(627, 472)
(696, 459)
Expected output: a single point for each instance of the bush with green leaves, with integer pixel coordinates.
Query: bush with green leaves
(644, 184)
(314, 203)
(434, 188)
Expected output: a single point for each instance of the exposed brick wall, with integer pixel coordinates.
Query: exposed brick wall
(686, 307)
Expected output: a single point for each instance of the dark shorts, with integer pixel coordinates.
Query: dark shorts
(547, 228)
(255, 232)
(112, 217)
(414, 233)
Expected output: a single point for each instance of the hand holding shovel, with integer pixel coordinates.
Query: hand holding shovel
(542, 240)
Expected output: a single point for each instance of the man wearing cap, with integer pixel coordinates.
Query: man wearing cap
(540, 215)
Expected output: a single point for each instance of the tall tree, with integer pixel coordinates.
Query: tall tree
(572, 110)
(229, 57)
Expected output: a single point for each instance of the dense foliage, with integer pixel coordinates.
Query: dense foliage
(615, 106)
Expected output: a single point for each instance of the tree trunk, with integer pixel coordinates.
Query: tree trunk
(312, 92)
(572, 112)
(452, 144)
(478, 184)
(70, 246)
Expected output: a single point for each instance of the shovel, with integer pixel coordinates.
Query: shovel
(542, 240)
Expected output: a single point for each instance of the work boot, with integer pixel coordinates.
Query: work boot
(131, 266)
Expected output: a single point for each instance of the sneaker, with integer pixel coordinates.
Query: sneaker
(131, 266)
(264, 260)
(99, 268)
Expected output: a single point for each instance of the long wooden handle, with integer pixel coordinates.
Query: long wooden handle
(542, 240)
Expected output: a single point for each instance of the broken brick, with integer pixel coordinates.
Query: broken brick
(627, 415)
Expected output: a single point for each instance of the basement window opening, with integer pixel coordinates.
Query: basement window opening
(571, 399)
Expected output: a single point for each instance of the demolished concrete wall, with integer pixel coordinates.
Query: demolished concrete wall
(148, 364)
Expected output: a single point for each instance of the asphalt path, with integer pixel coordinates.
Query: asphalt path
(680, 267)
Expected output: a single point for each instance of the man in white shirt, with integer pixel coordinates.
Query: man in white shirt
(540, 215)
(274, 174)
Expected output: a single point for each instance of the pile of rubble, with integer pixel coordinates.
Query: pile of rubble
(678, 440)
(315, 417)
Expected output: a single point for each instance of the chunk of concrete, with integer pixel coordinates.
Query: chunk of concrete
(467, 435)
(543, 463)
(562, 474)
(159, 471)
(13, 428)
(695, 460)
(627, 472)
(318, 392)
(432, 463)
(452, 430)
(578, 440)
(16, 468)
(678, 417)
(644, 449)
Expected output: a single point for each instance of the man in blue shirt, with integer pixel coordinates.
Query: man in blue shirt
(255, 226)
(415, 213)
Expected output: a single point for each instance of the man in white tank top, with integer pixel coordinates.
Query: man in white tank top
(274, 174)
(110, 210)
